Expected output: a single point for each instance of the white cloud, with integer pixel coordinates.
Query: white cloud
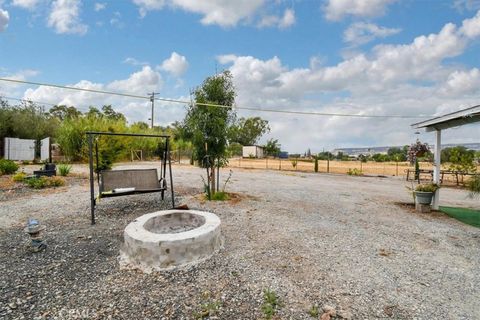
(221, 12)
(462, 82)
(14, 89)
(65, 17)
(337, 9)
(99, 6)
(471, 27)
(148, 5)
(141, 82)
(287, 20)
(176, 64)
(462, 5)
(407, 79)
(134, 62)
(4, 19)
(26, 4)
(363, 32)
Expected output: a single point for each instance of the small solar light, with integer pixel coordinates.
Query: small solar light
(36, 231)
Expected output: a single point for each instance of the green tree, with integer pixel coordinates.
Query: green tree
(247, 131)
(209, 124)
(63, 112)
(397, 154)
(272, 147)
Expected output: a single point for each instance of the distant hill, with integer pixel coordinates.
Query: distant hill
(373, 150)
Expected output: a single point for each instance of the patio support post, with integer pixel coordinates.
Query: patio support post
(437, 168)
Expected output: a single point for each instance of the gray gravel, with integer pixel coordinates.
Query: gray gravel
(314, 239)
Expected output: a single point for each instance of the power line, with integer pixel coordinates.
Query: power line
(149, 97)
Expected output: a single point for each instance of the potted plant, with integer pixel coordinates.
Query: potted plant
(424, 193)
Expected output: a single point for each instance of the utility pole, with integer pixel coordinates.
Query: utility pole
(152, 100)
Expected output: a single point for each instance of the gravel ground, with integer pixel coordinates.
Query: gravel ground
(313, 239)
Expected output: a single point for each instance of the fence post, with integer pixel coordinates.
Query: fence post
(266, 163)
(328, 164)
(280, 166)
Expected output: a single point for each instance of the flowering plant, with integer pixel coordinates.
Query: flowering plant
(417, 149)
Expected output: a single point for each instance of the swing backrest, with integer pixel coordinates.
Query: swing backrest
(140, 179)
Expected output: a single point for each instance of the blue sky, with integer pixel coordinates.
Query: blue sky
(376, 57)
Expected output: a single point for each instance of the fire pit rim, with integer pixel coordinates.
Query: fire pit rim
(137, 230)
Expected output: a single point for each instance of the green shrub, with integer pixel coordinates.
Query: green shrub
(429, 187)
(44, 182)
(473, 186)
(220, 196)
(55, 182)
(8, 166)
(19, 176)
(64, 169)
(37, 183)
(354, 172)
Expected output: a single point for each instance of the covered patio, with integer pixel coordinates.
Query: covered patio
(450, 120)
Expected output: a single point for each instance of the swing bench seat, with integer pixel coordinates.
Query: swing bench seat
(115, 183)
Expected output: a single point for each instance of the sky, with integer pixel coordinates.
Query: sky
(368, 57)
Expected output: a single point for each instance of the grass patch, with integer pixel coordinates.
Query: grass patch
(64, 169)
(468, 216)
(220, 196)
(270, 303)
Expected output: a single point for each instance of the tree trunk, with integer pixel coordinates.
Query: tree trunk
(212, 179)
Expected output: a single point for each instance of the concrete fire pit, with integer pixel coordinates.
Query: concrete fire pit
(168, 239)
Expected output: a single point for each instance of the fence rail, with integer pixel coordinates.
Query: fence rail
(370, 168)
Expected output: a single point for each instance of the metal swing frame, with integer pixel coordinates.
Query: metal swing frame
(91, 135)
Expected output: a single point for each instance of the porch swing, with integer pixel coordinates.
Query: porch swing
(123, 182)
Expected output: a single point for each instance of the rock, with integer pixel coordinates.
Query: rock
(12, 305)
(344, 315)
(328, 312)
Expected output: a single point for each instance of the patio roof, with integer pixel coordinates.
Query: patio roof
(450, 120)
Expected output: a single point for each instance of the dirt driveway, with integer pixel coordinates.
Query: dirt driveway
(313, 239)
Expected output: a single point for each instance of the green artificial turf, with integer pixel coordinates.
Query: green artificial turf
(468, 216)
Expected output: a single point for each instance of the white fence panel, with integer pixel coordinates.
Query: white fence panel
(45, 149)
(19, 149)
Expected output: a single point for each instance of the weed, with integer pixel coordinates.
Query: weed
(354, 172)
(474, 186)
(64, 169)
(19, 176)
(270, 303)
(313, 312)
(207, 309)
(227, 180)
(294, 163)
(220, 196)
(8, 166)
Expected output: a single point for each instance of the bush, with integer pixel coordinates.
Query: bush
(430, 187)
(55, 182)
(44, 182)
(19, 177)
(64, 169)
(354, 172)
(37, 183)
(8, 166)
